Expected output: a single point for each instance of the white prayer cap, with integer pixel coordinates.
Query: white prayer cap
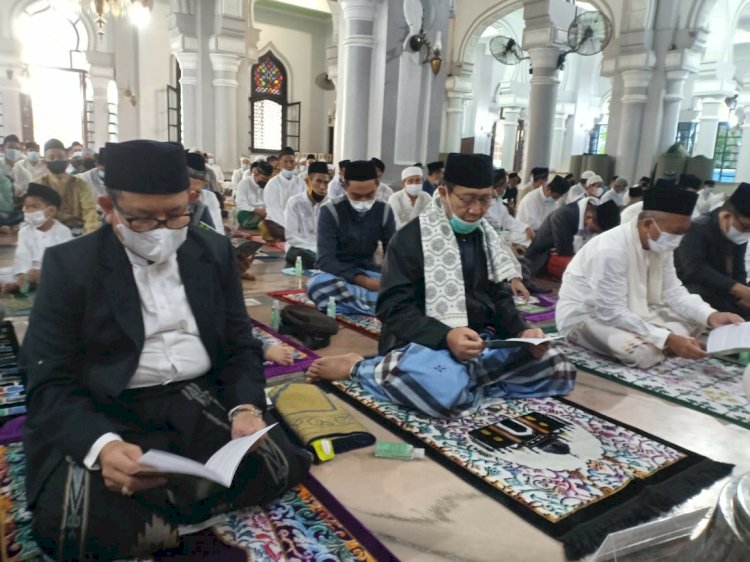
(587, 174)
(594, 179)
(411, 171)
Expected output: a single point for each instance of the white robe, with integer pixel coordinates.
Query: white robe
(35, 170)
(534, 209)
(301, 229)
(507, 226)
(249, 196)
(599, 282)
(383, 192)
(631, 212)
(403, 210)
(211, 201)
(336, 188)
(238, 175)
(277, 193)
(20, 176)
(612, 195)
(32, 242)
(573, 195)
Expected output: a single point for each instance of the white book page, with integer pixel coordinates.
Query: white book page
(729, 338)
(535, 341)
(225, 461)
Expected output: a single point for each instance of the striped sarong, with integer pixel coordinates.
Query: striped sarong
(350, 298)
(434, 383)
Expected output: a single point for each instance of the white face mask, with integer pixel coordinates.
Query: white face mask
(737, 236)
(414, 189)
(211, 161)
(288, 174)
(156, 245)
(361, 206)
(667, 242)
(35, 218)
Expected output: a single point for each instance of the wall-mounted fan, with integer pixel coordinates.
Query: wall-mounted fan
(323, 82)
(589, 34)
(506, 50)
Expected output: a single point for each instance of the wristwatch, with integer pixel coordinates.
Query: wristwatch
(252, 409)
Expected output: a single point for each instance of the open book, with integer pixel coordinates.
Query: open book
(521, 342)
(220, 468)
(729, 339)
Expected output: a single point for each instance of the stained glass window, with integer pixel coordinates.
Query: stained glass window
(268, 77)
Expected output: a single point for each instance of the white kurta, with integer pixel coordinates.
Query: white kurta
(32, 242)
(301, 229)
(612, 195)
(35, 171)
(20, 176)
(218, 172)
(238, 175)
(535, 208)
(383, 192)
(249, 196)
(277, 193)
(403, 209)
(631, 212)
(209, 199)
(596, 285)
(96, 184)
(336, 188)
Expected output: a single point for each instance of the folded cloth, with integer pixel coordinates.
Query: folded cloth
(311, 415)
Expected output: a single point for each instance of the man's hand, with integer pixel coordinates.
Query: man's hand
(464, 343)
(724, 319)
(119, 462)
(538, 350)
(518, 288)
(530, 233)
(247, 423)
(34, 275)
(367, 282)
(685, 347)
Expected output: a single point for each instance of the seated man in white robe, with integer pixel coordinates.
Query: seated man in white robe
(239, 173)
(444, 293)
(412, 199)
(302, 213)
(594, 186)
(541, 202)
(249, 202)
(617, 193)
(278, 191)
(384, 191)
(336, 187)
(577, 190)
(512, 230)
(539, 177)
(621, 297)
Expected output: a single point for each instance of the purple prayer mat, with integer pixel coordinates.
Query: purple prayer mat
(10, 431)
(303, 357)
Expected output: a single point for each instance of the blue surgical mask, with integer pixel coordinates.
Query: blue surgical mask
(288, 174)
(459, 225)
(245, 167)
(549, 200)
(32, 156)
(12, 154)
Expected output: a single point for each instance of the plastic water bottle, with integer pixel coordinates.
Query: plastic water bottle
(275, 315)
(331, 308)
(298, 266)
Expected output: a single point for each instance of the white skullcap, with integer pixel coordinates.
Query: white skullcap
(411, 171)
(587, 174)
(594, 179)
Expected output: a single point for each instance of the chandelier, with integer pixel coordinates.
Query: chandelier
(138, 10)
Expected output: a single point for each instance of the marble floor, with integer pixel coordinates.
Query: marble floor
(423, 512)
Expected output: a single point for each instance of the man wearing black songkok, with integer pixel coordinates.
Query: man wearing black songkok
(445, 289)
(620, 295)
(711, 258)
(139, 339)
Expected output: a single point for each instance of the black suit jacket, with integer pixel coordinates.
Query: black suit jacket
(557, 231)
(86, 335)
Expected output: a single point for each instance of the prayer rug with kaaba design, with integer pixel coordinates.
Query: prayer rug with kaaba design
(302, 356)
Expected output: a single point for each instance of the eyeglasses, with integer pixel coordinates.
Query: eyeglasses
(137, 224)
(744, 227)
(468, 201)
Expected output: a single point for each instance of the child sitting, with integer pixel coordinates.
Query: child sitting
(39, 231)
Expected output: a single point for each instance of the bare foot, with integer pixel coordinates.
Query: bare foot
(336, 368)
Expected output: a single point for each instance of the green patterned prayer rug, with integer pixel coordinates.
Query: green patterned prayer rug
(711, 386)
(573, 473)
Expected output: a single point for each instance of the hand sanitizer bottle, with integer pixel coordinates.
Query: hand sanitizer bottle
(401, 451)
(275, 315)
(298, 266)
(331, 308)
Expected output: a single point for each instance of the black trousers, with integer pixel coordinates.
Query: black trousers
(308, 258)
(77, 518)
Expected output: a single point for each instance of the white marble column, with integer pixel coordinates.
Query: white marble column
(356, 47)
(634, 98)
(100, 82)
(191, 111)
(225, 67)
(510, 130)
(558, 160)
(542, 107)
(705, 141)
(675, 82)
(456, 92)
(743, 158)
(10, 90)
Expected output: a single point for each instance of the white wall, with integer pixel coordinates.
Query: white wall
(301, 41)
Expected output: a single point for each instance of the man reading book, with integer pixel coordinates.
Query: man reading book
(139, 339)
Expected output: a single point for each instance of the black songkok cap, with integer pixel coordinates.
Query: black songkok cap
(690, 181)
(668, 199)
(360, 170)
(379, 164)
(469, 170)
(559, 185)
(286, 150)
(540, 173)
(52, 144)
(146, 166)
(196, 165)
(100, 157)
(317, 168)
(665, 183)
(433, 167)
(45, 193)
(709, 183)
(741, 199)
(608, 215)
(645, 179)
(343, 163)
(499, 175)
(635, 192)
(264, 167)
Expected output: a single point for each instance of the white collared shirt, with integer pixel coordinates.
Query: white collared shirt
(501, 219)
(302, 222)
(534, 209)
(404, 209)
(249, 195)
(32, 242)
(336, 187)
(618, 198)
(211, 200)
(277, 194)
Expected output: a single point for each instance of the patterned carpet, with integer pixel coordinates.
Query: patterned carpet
(303, 357)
